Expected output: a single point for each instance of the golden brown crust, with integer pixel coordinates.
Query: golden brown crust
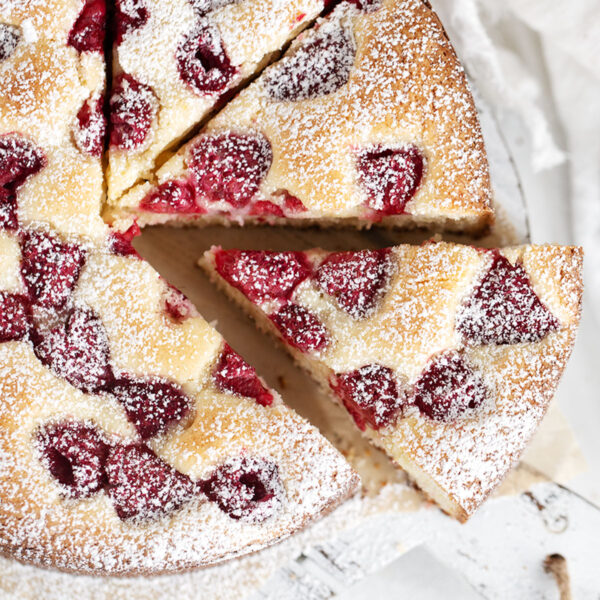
(406, 86)
(457, 464)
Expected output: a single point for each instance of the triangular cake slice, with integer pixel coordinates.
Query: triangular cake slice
(133, 439)
(367, 119)
(52, 80)
(174, 59)
(446, 356)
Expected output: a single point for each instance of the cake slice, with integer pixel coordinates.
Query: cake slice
(133, 439)
(445, 356)
(52, 80)
(367, 119)
(174, 59)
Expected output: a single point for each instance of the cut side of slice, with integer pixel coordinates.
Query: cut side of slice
(445, 356)
(367, 119)
(174, 60)
(52, 125)
(133, 439)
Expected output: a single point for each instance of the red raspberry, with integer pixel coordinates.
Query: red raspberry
(370, 395)
(75, 454)
(448, 387)
(355, 279)
(87, 34)
(230, 167)
(300, 328)
(390, 177)
(233, 374)
(504, 309)
(262, 275)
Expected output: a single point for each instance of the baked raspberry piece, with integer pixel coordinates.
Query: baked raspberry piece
(90, 129)
(370, 394)
(266, 208)
(262, 275)
(75, 454)
(230, 167)
(173, 196)
(233, 374)
(88, 31)
(50, 268)
(142, 486)
(132, 110)
(120, 241)
(178, 306)
(202, 61)
(355, 279)
(152, 404)
(300, 328)
(504, 309)
(317, 68)
(246, 488)
(129, 16)
(449, 387)
(78, 351)
(389, 176)
(454, 416)
(15, 317)
(9, 40)
(8, 210)
(19, 160)
(291, 204)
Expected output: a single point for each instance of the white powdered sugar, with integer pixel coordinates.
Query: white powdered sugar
(492, 395)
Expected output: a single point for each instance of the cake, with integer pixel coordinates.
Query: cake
(368, 118)
(174, 60)
(445, 356)
(134, 440)
(52, 124)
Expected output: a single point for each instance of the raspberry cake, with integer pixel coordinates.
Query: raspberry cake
(133, 438)
(367, 119)
(446, 356)
(52, 79)
(173, 60)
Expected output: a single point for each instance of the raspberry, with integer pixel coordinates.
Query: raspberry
(448, 387)
(203, 63)
(87, 34)
(230, 167)
(129, 16)
(233, 374)
(9, 40)
(152, 404)
(90, 130)
(77, 351)
(263, 275)
(142, 486)
(15, 317)
(246, 488)
(355, 279)
(50, 268)
(75, 454)
(319, 67)
(132, 108)
(300, 328)
(173, 196)
(504, 309)
(370, 395)
(390, 177)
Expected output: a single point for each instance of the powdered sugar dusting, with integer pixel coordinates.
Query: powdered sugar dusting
(462, 413)
(116, 327)
(404, 88)
(190, 53)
